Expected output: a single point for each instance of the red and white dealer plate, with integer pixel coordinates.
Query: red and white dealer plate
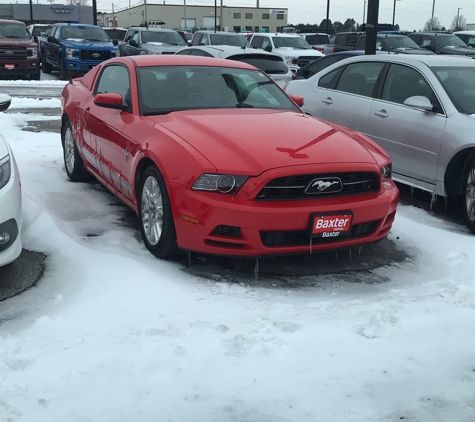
(331, 225)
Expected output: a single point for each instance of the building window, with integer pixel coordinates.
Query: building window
(237, 16)
(248, 15)
(256, 29)
(249, 28)
(265, 16)
(237, 29)
(281, 17)
(265, 29)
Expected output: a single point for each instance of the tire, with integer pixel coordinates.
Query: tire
(36, 76)
(73, 163)
(63, 72)
(468, 175)
(155, 215)
(46, 68)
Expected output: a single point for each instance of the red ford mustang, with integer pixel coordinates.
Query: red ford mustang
(216, 158)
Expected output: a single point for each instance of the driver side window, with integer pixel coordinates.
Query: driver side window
(115, 79)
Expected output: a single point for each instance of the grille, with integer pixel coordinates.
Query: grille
(95, 55)
(305, 60)
(293, 187)
(13, 53)
(301, 237)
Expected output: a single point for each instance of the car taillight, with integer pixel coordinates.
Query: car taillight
(294, 76)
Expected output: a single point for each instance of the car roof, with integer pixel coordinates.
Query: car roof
(142, 28)
(75, 25)
(11, 21)
(118, 28)
(279, 34)
(219, 32)
(429, 60)
(465, 32)
(181, 60)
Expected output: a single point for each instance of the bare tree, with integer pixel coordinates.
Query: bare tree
(433, 24)
(459, 23)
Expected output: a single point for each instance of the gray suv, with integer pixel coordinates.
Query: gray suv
(140, 40)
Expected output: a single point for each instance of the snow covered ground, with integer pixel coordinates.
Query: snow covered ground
(112, 334)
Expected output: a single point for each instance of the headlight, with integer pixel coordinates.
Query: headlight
(115, 53)
(288, 60)
(72, 53)
(223, 183)
(32, 53)
(386, 172)
(5, 171)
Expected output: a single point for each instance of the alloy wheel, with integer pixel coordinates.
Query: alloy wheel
(152, 210)
(470, 194)
(69, 150)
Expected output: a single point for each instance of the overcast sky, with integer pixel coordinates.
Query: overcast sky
(410, 14)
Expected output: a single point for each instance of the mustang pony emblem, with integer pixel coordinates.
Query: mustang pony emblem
(321, 185)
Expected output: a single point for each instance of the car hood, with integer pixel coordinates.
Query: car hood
(159, 47)
(295, 52)
(23, 42)
(267, 139)
(420, 51)
(98, 45)
(458, 50)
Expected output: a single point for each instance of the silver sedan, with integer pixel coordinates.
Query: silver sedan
(420, 109)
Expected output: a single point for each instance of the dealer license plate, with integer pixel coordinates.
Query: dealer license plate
(331, 225)
(9, 66)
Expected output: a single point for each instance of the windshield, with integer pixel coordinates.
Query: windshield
(317, 39)
(40, 30)
(165, 37)
(14, 30)
(459, 83)
(228, 39)
(399, 42)
(164, 89)
(450, 40)
(84, 33)
(292, 42)
(116, 34)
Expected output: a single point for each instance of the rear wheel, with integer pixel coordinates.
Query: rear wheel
(155, 215)
(469, 192)
(72, 161)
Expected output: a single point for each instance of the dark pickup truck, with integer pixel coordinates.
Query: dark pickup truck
(18, 51)
(74, 49)
(391, 43)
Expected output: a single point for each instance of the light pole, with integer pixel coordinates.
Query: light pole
(432, 16)
(457, 26)
(394, 12)
(364, 9)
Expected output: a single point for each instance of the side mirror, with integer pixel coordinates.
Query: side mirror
(268, 48)
(419, 102)
(110, 100)
(430, 48)
(51, 39)
(115, 42)
(133, 43)
(5, 101)
(297, 99)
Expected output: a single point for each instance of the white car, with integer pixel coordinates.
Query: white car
(468, 37)
(10, 199)
(295, 51)
(272, 64)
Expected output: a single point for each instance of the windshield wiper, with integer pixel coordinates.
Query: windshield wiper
(244, 105)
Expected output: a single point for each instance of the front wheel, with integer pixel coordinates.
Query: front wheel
(63, 72)
(44, 65)
(72, 161)
(155, 215)
(469, 192)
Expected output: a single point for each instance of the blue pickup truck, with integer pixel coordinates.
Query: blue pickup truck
(74, 49)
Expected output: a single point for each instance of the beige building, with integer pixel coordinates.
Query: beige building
(235, 19)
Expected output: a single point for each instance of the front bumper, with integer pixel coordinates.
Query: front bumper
(258, 228)
(10, 218)
(19, 68)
